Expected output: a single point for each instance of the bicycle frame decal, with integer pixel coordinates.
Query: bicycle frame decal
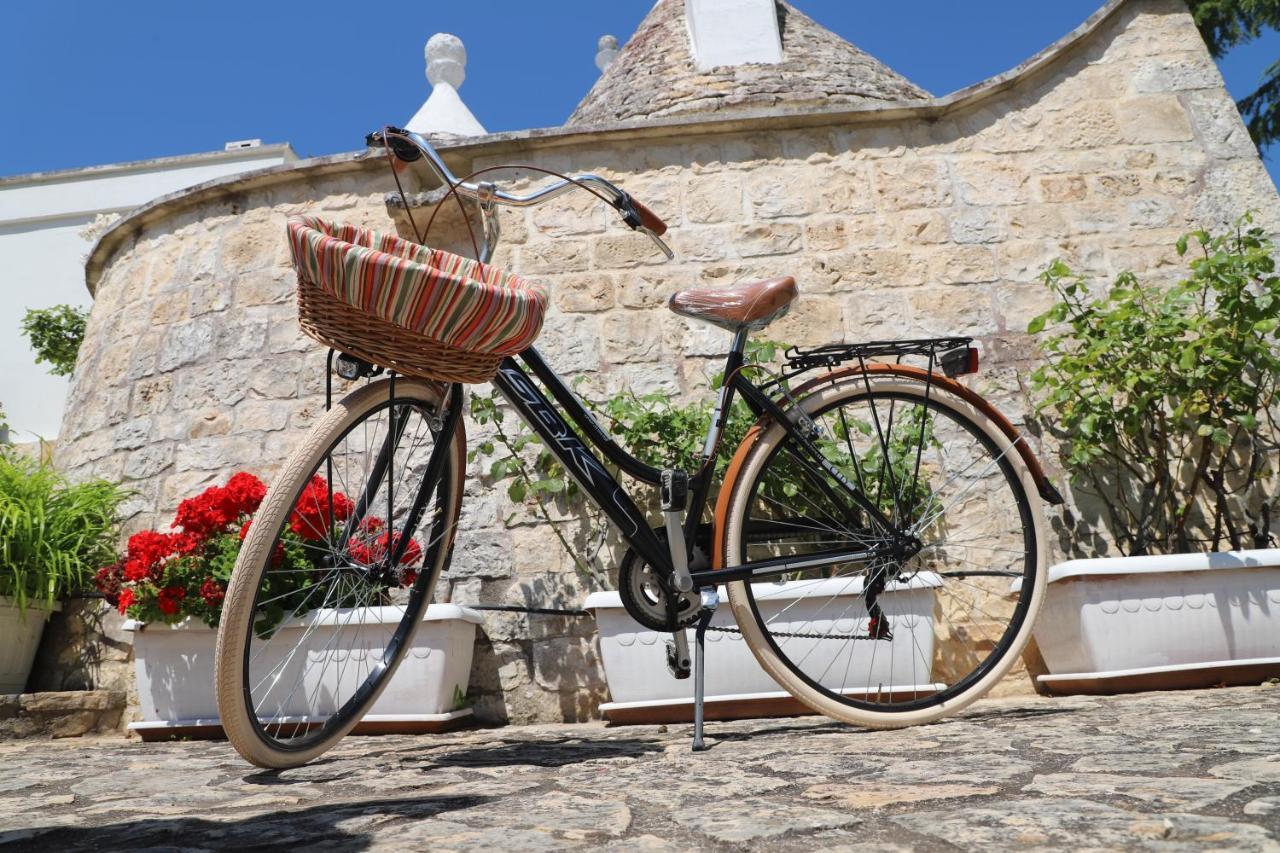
(602, 487)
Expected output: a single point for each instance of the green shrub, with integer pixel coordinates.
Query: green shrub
(56, 334)
(53, 534)
(1165, 399)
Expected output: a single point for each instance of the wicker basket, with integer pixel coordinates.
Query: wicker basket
(418, 311)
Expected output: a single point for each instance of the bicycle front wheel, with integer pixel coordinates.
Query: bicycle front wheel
(888, 641)
(336, 572)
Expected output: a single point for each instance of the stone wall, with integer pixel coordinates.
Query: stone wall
(920, 221)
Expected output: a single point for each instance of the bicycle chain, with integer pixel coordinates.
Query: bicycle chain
(801, 635)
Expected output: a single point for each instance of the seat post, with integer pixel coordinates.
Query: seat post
(739, 340)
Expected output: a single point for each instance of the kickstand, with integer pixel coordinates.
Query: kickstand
(709, 601)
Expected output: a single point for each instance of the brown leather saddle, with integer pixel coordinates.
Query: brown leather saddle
(750, 305)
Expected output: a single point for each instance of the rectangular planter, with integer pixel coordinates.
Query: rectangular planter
(643, 691)
(20, 633)
(174, 666)
(1156, 623)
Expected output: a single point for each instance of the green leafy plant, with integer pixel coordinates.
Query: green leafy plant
(1165, 399)
(53, 533)
(55, 334)
(658, 430)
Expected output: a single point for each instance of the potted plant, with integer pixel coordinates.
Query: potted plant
(52, 535)
(1164, 401)
(171, 586)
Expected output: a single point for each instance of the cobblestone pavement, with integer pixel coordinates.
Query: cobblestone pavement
(1181, 771)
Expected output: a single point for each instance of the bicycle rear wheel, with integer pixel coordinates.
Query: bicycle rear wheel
(337, 570)
(892, 641)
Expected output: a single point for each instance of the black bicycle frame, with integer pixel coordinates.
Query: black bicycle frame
(533, 406)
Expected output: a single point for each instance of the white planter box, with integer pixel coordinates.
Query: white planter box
(642, 689)
(174, 666)
(19, 640)
(1149, 623)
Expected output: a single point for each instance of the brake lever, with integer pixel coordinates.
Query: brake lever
(661, 244)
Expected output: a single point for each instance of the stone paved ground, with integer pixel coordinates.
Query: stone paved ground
(1179, 771)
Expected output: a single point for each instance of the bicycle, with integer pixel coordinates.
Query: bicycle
(896, 509)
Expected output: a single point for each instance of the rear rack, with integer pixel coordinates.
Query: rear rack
(954, 355)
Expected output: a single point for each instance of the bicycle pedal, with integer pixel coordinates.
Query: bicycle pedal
(678, 663)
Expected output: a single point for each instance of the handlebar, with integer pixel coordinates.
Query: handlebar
(408, 147)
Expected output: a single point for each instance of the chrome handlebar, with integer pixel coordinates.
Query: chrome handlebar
(409, 146)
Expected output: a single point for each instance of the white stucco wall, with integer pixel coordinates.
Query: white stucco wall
(42, 255)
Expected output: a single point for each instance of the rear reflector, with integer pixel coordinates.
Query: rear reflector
(960, 361)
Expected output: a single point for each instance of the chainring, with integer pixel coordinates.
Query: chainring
(645, 593)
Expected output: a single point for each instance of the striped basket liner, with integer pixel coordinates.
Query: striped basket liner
(450, 300)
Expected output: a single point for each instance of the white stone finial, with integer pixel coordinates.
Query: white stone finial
(446, 60)
(606, 51)
(733, 32)
(444, 111)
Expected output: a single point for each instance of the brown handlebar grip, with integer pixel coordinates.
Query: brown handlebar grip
(648, 218)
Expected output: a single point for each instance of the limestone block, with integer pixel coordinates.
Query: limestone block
(812, 320)
(265, 287)
(630, 336)
(584, 293)
(882, 268)
(1089, 124)
(651, 288)
(553, 257)
(979, 225)
(709, 243)
(963, 265)
(185, 343)
(871, 231)
(132, 434)
(1153, 118)
(825, 235)
(912, 182)
(1117, 185)
(481, 555)
(1034, 221)
(224, 382)
(774, 239)
(566, 664)
(923, 227)
(248, 248)
(990, 182)
(1176, 73)
(1233, 187)
(776, 193)
(952, 311)
(570, 214)
(148, 461)
(1218, 122)
(571, 342)
(623, 250)
(260, 416)
(714, 198)
(875, 315)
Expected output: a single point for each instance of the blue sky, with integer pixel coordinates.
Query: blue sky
(88, 82)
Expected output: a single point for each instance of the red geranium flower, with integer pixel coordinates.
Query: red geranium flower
(170, 599)
(310, 518)
(108, 581)
(212, 592)
(125, 601)
(145, 555)
(246, 492)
